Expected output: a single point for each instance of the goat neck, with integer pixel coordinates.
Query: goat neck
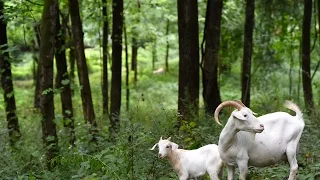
(174, 159)
(230, 136)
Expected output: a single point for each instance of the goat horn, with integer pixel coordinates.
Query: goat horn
(224, 104)
(239, 102)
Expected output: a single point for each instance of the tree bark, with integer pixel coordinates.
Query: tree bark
(117, 28)
(37, 93)
(211, 92)
(48, 32)
(247, 53)
(127, 67)
(86, 95)
(134, 58)
(134, 49)
(188, 94)
(63, 81)
(6, 81)
(72, 58)
(306, 76)
(105, 86)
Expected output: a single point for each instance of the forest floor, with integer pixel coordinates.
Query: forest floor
(151, 114)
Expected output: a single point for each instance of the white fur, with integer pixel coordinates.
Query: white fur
(191, 163)
(239, 145)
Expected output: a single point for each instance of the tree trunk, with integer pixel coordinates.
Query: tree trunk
(117, 28)
(134, 60)
(167, 47)
(306, 77)
(63, 81)
(247, 53)
(188, 95)
(86, 95)
(154, 54)
(105, 87)
(127, 67)
(37, 94)
(48, 32)
(211, 92)
(6, 81)
(72, 58)
(134, 49)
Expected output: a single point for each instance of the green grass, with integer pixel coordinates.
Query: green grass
(152, 113)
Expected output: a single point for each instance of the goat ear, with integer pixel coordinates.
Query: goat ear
(174, 146)
(154, 146)
(238, 115)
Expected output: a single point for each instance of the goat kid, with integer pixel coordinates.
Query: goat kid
(263, 141)
(191, 163)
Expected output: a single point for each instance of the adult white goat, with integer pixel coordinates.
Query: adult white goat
(191, 163)
(277, 138)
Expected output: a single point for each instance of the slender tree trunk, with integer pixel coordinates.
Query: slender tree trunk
(6, 81)
(48, 32)
(63, 81)
(318, 7)
(154, 54)
(37, 94)
(134, 49)
(167, 47)
(105, 87)
(72, 55)
(247, 53)
(188, 95)
(72, 60)
(127, 67)
(211, 92)
(306, 77)
(134, 56)
(117, 28)
(86, 95)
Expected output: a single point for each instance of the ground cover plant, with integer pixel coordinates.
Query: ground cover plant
(88, 87)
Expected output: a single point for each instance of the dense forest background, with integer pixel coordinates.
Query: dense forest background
(89, 86)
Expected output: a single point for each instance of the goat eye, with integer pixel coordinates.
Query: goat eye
(245, 115)
(168, 146)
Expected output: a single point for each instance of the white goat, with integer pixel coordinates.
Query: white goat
(191, 163)
(277, 138)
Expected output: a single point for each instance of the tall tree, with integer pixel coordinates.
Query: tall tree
(63, 81)
(134, 49)
(6, 81)
(77, 33)
(37, 93)
(72, 58)
(127, 66)
(48, 32)
(117, 28)
(247, 53)
(306, 77)
(211, 92)
(105, 87)
(188, 95)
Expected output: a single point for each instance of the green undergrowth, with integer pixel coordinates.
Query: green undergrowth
(152, 114)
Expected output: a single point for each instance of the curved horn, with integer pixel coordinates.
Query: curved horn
(239, 102)
(224, 104)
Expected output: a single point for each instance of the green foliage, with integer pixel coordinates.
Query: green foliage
(153, 101)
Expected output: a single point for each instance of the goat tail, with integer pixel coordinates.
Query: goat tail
(290, 105)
